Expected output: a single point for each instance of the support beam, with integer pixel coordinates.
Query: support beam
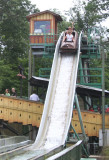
(81, 123)
(29, 71)
(103, 96)
(80, 117)
(5, 125)
(84, 99)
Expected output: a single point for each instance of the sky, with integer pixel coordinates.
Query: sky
(61, 5)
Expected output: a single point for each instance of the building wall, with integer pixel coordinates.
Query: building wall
(46, 16)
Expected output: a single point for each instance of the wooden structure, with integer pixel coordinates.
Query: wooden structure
(30, 112)
(92, 122)
(21, 111)
(43, 38)
(41, 24)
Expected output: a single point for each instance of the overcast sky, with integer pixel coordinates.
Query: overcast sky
(61, 5)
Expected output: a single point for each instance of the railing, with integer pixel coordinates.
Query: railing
(44, 72)
(90, 47)
(94, 77)
(44, 38)
(71, 153)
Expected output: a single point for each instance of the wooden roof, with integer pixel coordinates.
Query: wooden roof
(57, 16)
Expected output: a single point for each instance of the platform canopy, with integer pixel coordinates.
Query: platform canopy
(39, 81)
(80, 89)
(91, 91)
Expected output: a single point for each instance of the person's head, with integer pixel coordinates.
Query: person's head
(91, 108)
(69, 32)
(13, 90)
(7, 90)
(69, 28)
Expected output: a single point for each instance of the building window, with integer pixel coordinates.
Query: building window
(42, 27)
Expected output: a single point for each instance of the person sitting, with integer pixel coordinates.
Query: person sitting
(68, 29)
(72, 29)
(91, 109)
(7, 92)
(34, 96)
(69, 37)
(14, 94)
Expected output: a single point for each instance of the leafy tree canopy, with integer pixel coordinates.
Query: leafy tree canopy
(14, 28)
(14, 41)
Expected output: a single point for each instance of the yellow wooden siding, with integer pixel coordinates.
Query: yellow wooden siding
(21, 111)
(30, 112)
(92, 122)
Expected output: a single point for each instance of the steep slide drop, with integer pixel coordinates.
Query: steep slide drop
(58, 106)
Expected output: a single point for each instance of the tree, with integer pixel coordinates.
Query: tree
(62, 25)
(88, 14)
(14, 40)
(14, 28)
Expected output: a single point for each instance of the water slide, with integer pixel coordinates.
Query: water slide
(58, 107)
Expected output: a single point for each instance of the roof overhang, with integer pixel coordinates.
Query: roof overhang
(57, 16)
(80, 89)
(38, 81)
(90, 91)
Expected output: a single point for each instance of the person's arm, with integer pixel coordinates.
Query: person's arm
(65, 38)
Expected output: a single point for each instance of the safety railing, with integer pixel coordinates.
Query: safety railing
(72, 152)
(92, 78)
(44, 72)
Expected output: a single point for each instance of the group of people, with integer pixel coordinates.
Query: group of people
(33, 97)
(70, 34)
(13, 92)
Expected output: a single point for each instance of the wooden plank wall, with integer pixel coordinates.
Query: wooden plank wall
(21, 111)
(30, 112)
(92, 122)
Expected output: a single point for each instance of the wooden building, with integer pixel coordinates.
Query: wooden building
(43, 38)
(43, 24)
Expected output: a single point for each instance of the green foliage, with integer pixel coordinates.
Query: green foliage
(9, 78)
(14, 42)
(41, 62)
(88, 14)
(62, 25)
(14, 28)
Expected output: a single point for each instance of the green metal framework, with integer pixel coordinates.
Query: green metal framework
(90, 49)
(86, 75)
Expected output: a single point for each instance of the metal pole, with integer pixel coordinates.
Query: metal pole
(21, 87)
(80, 117)
(29, 71)
(81, 123)
(79, 139)
(103, 97)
